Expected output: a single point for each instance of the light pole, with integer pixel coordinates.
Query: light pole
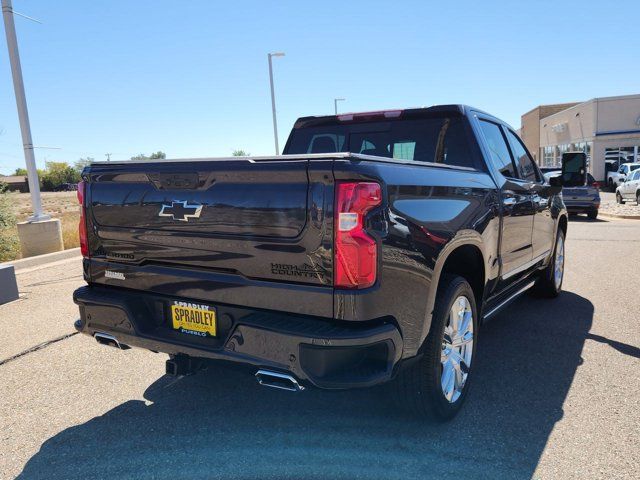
(335, 103)
(23, 113)
(273, 99)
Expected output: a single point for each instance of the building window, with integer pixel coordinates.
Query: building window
(547, 156)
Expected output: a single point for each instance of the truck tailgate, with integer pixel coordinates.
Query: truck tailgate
(259, 219)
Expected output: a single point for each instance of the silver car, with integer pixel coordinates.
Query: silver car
(629, 190)
(584, 199)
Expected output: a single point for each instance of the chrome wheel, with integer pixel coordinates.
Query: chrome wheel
(558, 269)
(457, 349)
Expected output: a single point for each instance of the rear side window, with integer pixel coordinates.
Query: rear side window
(498, 149)
(435, 140)
(526, 168)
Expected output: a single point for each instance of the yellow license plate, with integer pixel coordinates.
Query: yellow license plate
(199, 320)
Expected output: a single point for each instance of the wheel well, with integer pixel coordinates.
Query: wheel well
(467, 261)
(563, 225)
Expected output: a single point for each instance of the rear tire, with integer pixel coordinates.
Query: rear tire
(549, 284)
(437, 384)
(593, 214)
(638, 198)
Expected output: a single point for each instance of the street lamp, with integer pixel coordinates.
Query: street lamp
(273, 99)
(335, 103)
(23, 114)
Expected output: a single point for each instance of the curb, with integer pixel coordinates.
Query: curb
(615, 215)
(39, 260)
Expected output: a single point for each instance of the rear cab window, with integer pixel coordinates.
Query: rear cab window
(443, 140)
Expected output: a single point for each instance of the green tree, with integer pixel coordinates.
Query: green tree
(153, 156)
(57, 173)
(21, 172)
(82, 162)
(240, 153)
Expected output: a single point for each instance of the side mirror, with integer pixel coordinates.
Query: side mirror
(574, 169)
(555, 183)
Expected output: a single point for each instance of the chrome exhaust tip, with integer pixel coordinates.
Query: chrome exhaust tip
(281, 381)
(106, 339)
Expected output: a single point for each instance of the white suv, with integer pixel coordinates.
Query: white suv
(616, 178)
(629, 189)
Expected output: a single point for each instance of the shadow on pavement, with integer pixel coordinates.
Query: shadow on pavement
(221, 424)
(624, 348)
(585, 219)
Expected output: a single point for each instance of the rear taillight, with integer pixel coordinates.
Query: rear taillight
(82, 225)
(596, 185)
(356, 252)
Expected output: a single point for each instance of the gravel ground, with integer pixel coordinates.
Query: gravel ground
(608, 205)
(556, 395)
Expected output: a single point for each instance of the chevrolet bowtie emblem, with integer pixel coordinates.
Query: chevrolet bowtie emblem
(181, 211)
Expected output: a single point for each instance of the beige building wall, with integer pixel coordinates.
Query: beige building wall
(530, 125)
(611, 122)
(574, 124)
(618, 113)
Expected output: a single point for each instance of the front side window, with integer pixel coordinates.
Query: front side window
(526, 167)
(499, 152)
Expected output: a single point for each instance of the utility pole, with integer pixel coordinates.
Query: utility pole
(108, 155)
(335, 103)
(23, 113)
(273, 100)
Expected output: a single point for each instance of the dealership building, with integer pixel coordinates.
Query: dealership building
(606, 129)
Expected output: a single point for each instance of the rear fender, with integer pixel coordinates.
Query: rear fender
(462, 238)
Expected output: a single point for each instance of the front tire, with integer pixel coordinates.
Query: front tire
(437, 384)
(549, 284)
(619, 198)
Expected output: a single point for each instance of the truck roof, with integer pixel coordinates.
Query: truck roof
(455, 110)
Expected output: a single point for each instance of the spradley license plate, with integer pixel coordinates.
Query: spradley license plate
(194, 319)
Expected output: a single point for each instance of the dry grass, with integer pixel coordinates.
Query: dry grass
(62, 205)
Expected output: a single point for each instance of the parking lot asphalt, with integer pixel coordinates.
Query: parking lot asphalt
(556, 395)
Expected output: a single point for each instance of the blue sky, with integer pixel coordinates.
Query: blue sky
(190, 77)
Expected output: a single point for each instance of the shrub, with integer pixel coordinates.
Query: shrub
(9, 242)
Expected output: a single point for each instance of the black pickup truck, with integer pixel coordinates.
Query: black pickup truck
(372, 250)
